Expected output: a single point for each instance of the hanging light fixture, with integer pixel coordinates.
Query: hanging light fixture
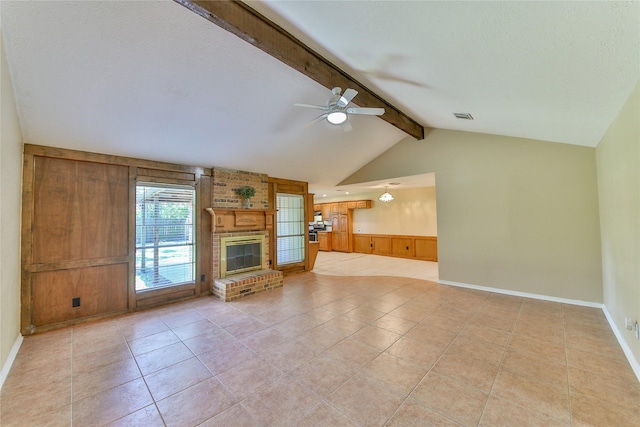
(385, 197)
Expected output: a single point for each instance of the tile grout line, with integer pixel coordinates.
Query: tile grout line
(504, 352)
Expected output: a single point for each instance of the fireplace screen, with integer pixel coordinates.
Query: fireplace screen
(240, 254)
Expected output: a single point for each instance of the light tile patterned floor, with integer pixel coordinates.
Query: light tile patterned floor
(346, 345)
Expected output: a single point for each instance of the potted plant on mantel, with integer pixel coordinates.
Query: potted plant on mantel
(246, 192)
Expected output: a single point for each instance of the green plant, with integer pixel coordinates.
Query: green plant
(246, 191)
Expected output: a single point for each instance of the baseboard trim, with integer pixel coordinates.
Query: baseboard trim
(523, 294)
(623, 343)
(12, 357)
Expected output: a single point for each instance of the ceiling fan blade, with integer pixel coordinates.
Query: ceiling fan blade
(318, 107)
(366, 111)
(346, 97)
(346, 126)
(316, 120)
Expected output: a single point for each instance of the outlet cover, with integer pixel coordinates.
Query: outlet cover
(628, 323)
(75, 302)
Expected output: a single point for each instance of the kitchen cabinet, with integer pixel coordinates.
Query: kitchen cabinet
(341, 228)
(427, 248)
(340, 215)
(402, 247)
(324, 240)
(362, 244)
(413, 247)
(380, 245)
(363, 204)
(326, 211)
(310, 207)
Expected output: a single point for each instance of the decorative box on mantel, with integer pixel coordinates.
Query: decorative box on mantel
(227, 220)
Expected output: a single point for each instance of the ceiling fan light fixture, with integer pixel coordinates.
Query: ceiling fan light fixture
(385, 197)
(337, 117)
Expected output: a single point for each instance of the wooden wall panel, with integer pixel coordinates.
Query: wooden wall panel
(80, 210)
(100, 289)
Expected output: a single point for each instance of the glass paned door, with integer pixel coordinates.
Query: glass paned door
(165, 239)
(290, 228)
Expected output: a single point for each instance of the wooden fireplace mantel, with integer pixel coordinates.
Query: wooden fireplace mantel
(241, 219)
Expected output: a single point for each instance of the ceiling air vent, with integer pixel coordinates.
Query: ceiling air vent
(465, 116)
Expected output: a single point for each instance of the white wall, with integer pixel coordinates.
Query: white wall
(513, 214)
(10, 197)
(412, 212)
(618, 160)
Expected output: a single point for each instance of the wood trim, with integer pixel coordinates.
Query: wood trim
(226, 220)
(131, 278)
(204, 243)
(26, 326)
(252, 27)
(64, 153)
(64, 265)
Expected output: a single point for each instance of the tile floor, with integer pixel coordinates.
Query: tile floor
(345, 345)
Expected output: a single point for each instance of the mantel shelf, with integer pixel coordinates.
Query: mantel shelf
(227, 220)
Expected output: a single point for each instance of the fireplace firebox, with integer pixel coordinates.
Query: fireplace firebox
(240, 254)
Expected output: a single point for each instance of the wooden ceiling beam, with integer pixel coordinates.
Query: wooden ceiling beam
(241, 20)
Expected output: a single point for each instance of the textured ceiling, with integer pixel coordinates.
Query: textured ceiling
(153, 80)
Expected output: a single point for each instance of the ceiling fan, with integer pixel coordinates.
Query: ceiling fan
(337, 109)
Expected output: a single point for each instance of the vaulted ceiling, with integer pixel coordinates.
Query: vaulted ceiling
(154, 80)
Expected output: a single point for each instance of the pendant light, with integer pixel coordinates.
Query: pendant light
(385, 197)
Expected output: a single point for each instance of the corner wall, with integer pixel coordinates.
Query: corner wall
(618, 162)
(10, 200)
(514, 214)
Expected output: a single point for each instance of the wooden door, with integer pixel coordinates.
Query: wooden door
(326, 211)
(344, 233)
(381, 245)
(362, 244)
(402, 247)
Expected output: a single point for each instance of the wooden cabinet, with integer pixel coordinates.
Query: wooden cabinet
(340, 214)
(310, 207)
(414, 247)
(341, 228)
(380, 245)
(329, 209)
(427, 248)
(326, 211)
(363, 204)
(402, 247)
(324, 240)
(362, 244)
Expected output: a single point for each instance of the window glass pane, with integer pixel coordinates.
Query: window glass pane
(290, 228)
(165, 246)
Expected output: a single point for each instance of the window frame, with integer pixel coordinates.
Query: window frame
(304, 230)
(194, 235)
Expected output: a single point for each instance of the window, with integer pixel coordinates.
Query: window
(290, 228)
(165, 242)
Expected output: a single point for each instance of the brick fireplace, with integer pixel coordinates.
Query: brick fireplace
(231, 221)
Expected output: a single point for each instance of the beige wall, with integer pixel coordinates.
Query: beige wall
(412, 212)
(514, 214)
(10, 196)
(618, 160)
